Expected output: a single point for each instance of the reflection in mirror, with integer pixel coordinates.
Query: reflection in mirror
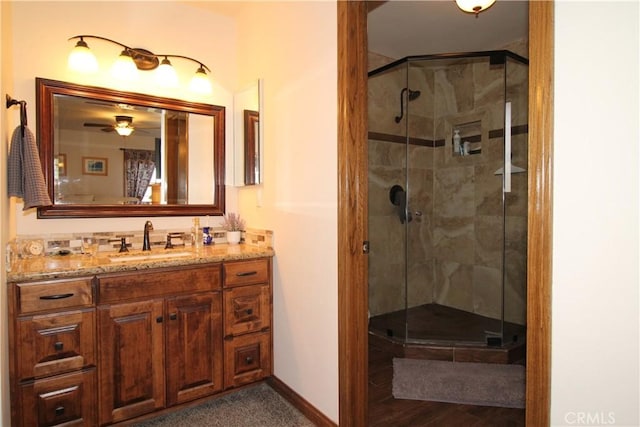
(251, 151)
(111, 153)
(248, 141)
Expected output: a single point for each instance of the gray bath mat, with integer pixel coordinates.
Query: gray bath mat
(484, 384)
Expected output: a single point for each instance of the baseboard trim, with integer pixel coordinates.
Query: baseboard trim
(307, 409)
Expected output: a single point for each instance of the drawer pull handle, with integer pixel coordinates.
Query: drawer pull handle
(249, 311)
(53, 297)
(59, 411)
(246, 273)
(58, 346)
(249, 360)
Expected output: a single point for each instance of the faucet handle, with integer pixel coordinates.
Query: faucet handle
(169, 245)
(123, 245)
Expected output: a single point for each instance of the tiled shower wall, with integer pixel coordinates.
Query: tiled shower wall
(454, 251)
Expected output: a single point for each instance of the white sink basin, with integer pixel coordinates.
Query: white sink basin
(148, 257)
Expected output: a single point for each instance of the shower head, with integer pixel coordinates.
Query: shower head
(412, 96)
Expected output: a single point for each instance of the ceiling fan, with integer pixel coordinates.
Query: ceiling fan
(123, 126)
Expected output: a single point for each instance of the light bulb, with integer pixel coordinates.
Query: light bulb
(165, 74)
(124, 68)
(81, 59)
(200, 82)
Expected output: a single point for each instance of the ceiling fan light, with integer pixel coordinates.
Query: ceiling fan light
(124, 68)
(165, 74)
(81, 59)
(200, 82)
(474, 6)
(124, 130)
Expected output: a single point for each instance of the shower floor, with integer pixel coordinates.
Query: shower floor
(444, 333)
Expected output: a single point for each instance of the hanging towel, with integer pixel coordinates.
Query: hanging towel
(25, 177)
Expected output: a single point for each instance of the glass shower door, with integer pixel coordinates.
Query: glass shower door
(387, 201)
(455, 242)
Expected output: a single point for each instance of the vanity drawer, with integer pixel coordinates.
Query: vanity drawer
(159, 283)
(247, 358)
(51, 344)
(54, 295)
(68, 400)
(246, 272)
(246, 309)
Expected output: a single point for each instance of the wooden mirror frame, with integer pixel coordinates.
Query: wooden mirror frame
(45, 91)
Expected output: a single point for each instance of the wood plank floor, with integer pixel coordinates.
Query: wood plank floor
(385, 411)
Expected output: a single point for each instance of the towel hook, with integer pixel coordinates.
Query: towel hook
(23, 111)
(11, 102)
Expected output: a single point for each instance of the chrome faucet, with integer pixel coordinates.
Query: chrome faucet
(146, 245)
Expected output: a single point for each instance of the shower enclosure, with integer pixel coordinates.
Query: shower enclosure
(448, 199)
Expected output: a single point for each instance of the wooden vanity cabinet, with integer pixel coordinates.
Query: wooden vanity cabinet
(164, 346)
(106, 349)
(52, 352)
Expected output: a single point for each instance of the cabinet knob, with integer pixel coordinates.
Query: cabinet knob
(58, 346)
(59, 411)
(173, 316)
(159, 319)
(249, 360)
(249, 311)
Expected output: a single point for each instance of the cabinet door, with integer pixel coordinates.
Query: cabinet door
(131, 351)
(194, 347)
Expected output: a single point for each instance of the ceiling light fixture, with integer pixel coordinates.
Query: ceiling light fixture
(123, 125)
(474, 6)
(131, 60)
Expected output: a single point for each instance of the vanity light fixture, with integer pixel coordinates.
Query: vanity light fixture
(132, 59)
(475, 6)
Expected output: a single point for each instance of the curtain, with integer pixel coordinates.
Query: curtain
(139, 166)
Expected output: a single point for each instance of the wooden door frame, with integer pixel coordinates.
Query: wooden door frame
(352, 213)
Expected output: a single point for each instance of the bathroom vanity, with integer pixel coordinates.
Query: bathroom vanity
(100, 341)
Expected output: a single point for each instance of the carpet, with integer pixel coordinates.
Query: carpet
(255, 406)
(483, 384)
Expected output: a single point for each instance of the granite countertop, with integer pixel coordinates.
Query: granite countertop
(75, 265)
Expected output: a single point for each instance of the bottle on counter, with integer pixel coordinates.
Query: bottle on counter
(456, 141)
(196, 233)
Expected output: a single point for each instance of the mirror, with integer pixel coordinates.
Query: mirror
(248, 136)
(108, 153)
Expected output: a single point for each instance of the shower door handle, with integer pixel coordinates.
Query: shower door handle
(506, 176)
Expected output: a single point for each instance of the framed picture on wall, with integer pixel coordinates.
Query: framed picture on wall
(95, 166)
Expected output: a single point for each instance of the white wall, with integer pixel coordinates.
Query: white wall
(5, 221)
(40, 31)
(595, 219)
(293, 47)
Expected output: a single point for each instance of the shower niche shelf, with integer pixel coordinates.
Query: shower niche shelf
(470, 138)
